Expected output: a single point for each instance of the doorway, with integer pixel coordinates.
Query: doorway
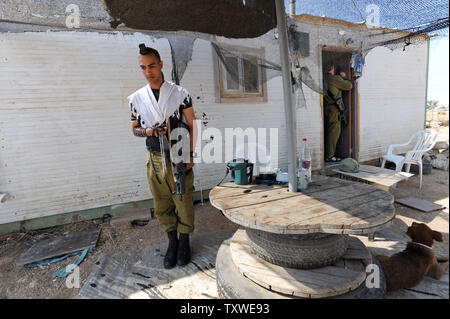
(347, 145)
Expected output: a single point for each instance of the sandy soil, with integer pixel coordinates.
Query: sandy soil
(22, 282)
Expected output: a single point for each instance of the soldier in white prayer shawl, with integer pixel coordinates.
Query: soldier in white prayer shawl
(156, 109)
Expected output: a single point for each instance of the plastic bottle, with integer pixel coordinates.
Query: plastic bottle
(302, 178)
(305, 158)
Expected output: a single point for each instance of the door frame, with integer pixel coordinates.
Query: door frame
(353, 103)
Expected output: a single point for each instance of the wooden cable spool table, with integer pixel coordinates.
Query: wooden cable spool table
(298, 243)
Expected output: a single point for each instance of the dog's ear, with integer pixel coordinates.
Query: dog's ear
(437, 236)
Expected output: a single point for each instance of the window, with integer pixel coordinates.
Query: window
(241, 80)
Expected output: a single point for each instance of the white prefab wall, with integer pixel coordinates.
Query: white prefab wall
(65, 133)
(65, 138)
(310, 126)
(392, 95)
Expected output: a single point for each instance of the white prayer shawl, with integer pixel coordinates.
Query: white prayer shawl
(149, 111)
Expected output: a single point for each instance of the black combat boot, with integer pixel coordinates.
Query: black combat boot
(170, 259)
(184, 251)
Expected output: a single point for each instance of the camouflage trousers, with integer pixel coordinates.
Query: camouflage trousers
(332, 129)
(162, 186)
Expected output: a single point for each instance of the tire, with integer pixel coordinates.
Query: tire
(298, 251)
(231, 284)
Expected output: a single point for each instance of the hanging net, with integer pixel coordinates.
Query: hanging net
(245, 39)
(244, 36)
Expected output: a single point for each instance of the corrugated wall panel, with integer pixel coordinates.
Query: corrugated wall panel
(66, 143)
(65, 139)
(310, 126)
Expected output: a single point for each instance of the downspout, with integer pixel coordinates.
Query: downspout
(426, 86)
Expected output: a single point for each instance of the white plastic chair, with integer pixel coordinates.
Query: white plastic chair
(425, 142)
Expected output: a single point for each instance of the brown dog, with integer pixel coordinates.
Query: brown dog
(406, 269)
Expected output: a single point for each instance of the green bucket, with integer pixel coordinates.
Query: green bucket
(241, 171)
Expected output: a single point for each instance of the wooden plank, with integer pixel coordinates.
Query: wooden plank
(357, 250)
(231, 189)
(343, 214)
(240, 197)
(60, 245)
(359, 231)
(304, 212)
(312, 283)
(303, 203)
(419, 204)
(355, 264)
(324, 184)
(368, 214)
(386, 177)
(380, 177)
(381, 213)
(384, 173)
(226, 203)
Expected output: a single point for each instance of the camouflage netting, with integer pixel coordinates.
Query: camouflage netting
(392, 24)
(413, 16)
(244, 34)
(229, 18)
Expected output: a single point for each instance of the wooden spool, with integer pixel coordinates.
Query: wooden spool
(345, 275)
(329, 205)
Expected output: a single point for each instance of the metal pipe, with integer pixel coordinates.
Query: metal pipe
(287, 92)
(426, 86)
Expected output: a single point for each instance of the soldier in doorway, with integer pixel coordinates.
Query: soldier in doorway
(333, 108)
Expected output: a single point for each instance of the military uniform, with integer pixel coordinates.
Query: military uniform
(170, 100)
(162, 186)
(166, 106)
(336, 84)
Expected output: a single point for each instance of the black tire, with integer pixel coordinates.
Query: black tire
(231, 284)
(297, 251)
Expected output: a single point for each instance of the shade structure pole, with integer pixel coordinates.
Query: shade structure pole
(287, 93)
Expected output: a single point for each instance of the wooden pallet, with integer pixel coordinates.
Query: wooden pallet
(60, 245)
(379, 177)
